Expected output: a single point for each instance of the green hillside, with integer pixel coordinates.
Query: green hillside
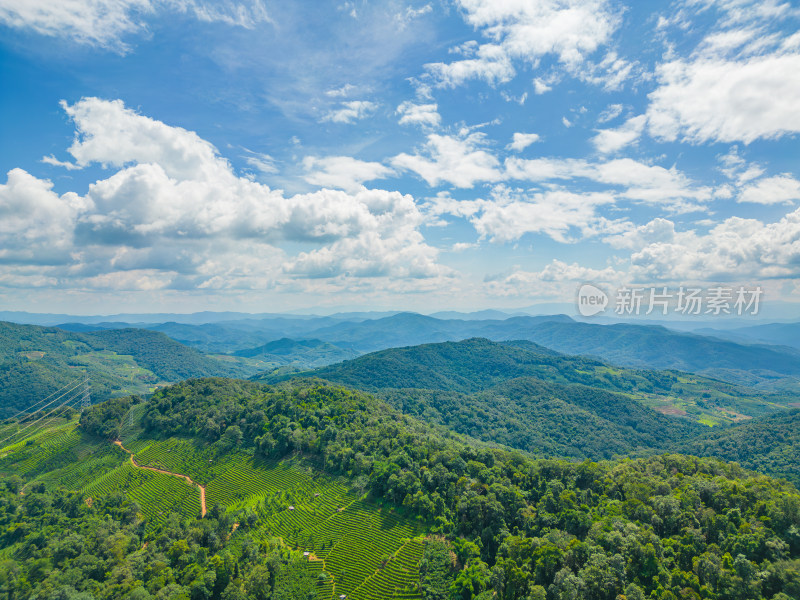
(477, 364)
(769, 445)
(304, 354)
(383, 505)
(37, 361)
(547, 419)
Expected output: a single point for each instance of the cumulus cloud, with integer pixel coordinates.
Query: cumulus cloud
(349, 112)
(657, 231)
(112, 135)
(105, 22)
(520, 141)
(35, 222)
(569, 30)
(736, 249)
(557, 279)
(508, 214)
(559, 214)
(722, 100)
(425, 115)
(343, 172)
(459, 161)
(176, 214)
(611, 140)
(781, 189)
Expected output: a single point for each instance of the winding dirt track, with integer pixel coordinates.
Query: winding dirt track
(181, 476)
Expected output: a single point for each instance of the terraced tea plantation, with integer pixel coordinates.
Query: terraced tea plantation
(367, 550)
(355, 547)
(364, 549)
(157, 494)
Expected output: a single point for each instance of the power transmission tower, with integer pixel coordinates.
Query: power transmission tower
(86, 399)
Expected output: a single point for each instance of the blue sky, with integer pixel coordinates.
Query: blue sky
(181, 155)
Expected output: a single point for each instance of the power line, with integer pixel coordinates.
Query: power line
(86, 398)
(40, 401)
(49, 420)
(47, 415)
(69, 391)
(66, 402)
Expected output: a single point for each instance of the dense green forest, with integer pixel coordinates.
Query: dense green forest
(37, 361)
(64, 548)
(769, 445)
(548, 419)
(527, 397)
(501, 524)
(300, 353)
(477, 364)
(454, 470)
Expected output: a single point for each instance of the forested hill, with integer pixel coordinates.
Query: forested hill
(740, 360)
(303, 353)
(36, 361)
(528, 397)
(660, 348)
(547, 419)
(769, 445)
(465, 366)
(453, 519)
(477, 364)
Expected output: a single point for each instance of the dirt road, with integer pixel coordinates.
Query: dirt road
(184, 477)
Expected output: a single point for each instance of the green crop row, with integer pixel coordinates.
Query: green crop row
(358, 540)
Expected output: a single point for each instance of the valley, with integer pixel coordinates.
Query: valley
(412, 472)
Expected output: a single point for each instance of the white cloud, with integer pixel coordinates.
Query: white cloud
(491, 64)
(521, 141)
(261, 162)
(570, 30)
(541, 86)
(610, 73)
(351, 111)
(637, 181)
(720, 100)
(342, 91)
(410, 14)
(772, 190)
(343, 172)
(737, 249)
(105, 22)
(557, 279)
(175, 214)
(510, 98)
(462, 246)
(564, 216)
(53, 161)
(112, 135)
(35, 222)
(611, 112)
(425, 115)
(458, 161)
(611, 140)
(657, 231)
